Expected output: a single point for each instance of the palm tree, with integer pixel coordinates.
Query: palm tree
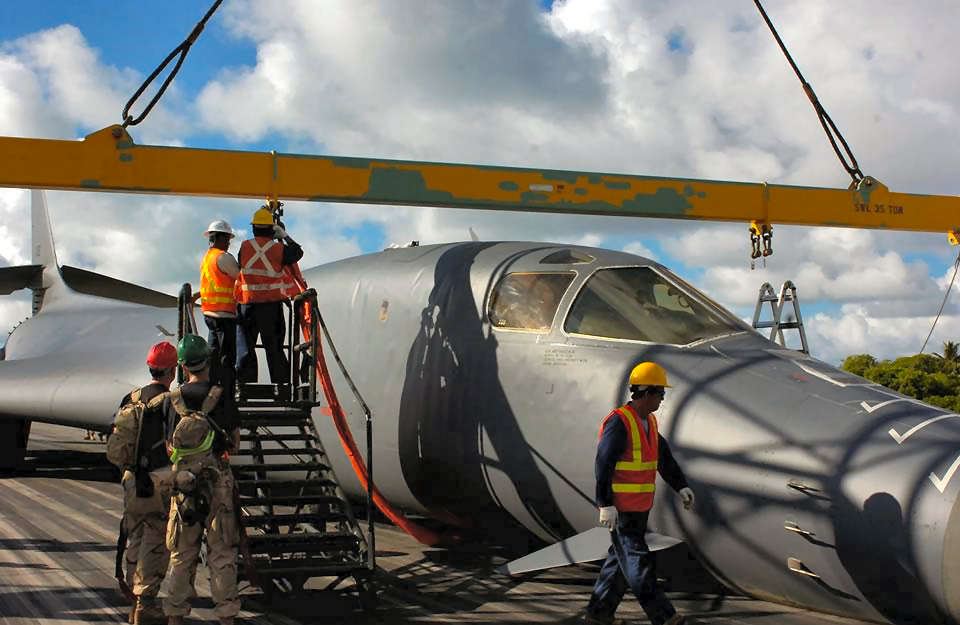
(951, 352)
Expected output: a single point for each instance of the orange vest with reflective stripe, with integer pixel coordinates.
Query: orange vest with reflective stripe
(262, 276)
(216, 287)
(635, 475)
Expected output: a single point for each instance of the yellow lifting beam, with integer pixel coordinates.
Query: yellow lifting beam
(109, 160)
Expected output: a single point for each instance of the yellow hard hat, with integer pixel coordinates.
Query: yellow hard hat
(648, 374)
(263, 217)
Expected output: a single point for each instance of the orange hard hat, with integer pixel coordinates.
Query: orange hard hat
(163, 355)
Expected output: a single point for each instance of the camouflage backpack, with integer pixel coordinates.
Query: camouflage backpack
(123, 446)
(195, 431)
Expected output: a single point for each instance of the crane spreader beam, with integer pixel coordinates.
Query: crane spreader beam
(109, 160)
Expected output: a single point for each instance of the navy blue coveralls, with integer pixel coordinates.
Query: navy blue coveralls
(629, 563)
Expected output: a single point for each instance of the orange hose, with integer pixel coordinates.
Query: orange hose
(422, 534)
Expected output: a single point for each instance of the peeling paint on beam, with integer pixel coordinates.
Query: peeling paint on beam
(94, 164)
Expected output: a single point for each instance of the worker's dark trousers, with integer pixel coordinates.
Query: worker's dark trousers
(266, 320)
(629, 564)
(223, 347)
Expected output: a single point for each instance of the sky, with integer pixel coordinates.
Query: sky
(693, 90)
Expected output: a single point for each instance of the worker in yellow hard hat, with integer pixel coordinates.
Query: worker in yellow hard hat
(630, 453)
(261, 288)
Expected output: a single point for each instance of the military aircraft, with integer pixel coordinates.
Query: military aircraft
(488, 367)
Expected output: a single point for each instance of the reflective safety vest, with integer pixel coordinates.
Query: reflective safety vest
(262, 276)
(216, 287)
(635, 475)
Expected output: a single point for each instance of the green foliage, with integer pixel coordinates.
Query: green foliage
(925, 377)
(858, 364)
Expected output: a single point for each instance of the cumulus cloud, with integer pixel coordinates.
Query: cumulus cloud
(695, 90)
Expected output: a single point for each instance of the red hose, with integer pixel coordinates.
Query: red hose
(422, 534)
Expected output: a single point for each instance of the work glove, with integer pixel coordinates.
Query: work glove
(687, 498)
(279, 233)
(608, 517)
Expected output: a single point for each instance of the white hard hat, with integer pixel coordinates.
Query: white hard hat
(220, 225)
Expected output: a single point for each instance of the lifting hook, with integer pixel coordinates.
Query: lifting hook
(761, 240)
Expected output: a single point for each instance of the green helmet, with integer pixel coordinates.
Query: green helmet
(192, 350)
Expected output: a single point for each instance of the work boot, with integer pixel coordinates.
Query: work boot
(148, 612)
(175, 620)
(600, 619)
(677, 619)
(133, 612)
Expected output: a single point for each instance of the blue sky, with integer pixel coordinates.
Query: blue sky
(138, 34)
(694, 90)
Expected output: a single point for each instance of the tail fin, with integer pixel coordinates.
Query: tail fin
(43, 250)
(50, 281)
(44, 273)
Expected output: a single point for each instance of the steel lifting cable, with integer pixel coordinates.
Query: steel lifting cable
(956, 265)
(833, 133)
(182, 50)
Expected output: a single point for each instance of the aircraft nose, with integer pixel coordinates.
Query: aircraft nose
(951, 564)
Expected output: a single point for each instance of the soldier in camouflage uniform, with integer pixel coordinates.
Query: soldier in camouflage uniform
(145, 505)
(205, 423)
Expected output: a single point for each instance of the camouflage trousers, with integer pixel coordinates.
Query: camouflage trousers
(222, 534)
(146, 554)
(131, 555)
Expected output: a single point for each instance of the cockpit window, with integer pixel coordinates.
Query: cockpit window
(528, 301)
(639, 304)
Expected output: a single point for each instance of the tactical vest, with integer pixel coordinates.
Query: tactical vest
(216, 287)
(635, 474)
(195, 430)
(123, 446)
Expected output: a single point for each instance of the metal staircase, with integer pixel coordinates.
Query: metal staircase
(297, 523)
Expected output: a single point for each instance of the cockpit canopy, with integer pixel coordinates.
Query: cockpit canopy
(627, 303)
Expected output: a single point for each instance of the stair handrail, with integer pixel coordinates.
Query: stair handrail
(307, 301)
(186, 322)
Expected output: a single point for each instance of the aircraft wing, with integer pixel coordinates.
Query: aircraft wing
(588, 546)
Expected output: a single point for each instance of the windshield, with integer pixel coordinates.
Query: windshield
(528, 301)
(639, 304)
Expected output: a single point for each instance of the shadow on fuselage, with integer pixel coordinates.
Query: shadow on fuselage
(451, 397)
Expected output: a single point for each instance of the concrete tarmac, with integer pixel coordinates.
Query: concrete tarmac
(58, 527)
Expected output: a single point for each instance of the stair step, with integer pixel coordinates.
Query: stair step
(267, 520)
(292, 500)
(263, 391)
(272, 436)
(313, 567)
(277, 484)
(273, 418)
(313, 541)
(247, 467)
(293, 451)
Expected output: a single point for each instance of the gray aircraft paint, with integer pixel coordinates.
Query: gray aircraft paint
(497, 428)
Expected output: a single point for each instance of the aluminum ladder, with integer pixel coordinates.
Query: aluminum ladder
(788, 294)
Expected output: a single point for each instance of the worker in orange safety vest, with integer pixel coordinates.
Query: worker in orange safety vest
(630, 453)
(218, 273)
(263, 285)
